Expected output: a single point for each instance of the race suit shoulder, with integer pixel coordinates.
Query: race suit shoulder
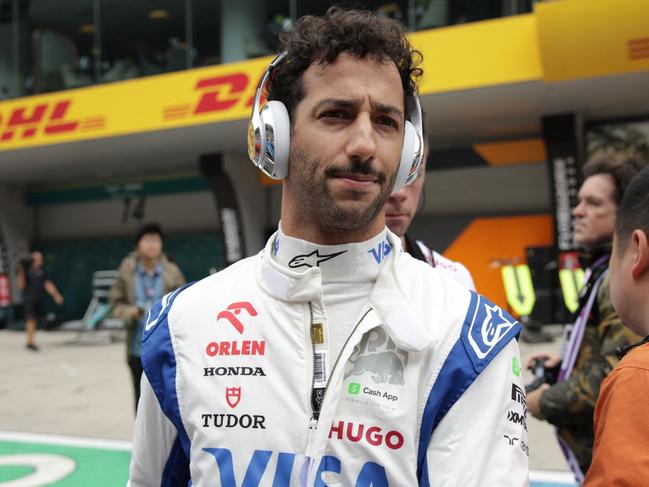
(453, 268)
(422, 393)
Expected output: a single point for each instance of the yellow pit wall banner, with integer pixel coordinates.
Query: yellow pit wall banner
(199, 96)
(560, 41)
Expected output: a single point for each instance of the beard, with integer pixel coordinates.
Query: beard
(316, 203)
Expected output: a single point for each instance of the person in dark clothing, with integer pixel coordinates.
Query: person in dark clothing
(34, 284)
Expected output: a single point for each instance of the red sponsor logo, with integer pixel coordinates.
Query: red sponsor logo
(638, 48)
(51, 118)
(235, 347)
(373, 435)
(231, 312)
(216, 93)
(233, 396)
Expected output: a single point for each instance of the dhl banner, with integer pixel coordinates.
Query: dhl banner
(559, 41)
(206, 95)
(588, 38)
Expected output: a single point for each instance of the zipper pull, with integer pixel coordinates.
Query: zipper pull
(313, 423)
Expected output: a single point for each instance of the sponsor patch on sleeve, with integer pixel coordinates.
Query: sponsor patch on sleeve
(487, 328)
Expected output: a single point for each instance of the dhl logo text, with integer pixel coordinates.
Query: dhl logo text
(48, 118)
(215, 94)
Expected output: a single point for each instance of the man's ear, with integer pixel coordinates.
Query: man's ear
(640, 248)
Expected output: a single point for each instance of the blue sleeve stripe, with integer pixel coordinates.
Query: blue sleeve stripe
(468, 357)
(159, 363)
(176, 471)
(456, 376)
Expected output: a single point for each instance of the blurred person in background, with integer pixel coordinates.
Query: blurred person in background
(401, 208)
(34, 284)
(589, 351)
(621, 453)
(144, 276)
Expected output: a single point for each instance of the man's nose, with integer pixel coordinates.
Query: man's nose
(397, 196)
(578, 211)
(361, 144)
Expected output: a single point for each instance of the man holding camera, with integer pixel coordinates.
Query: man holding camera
(589, 353)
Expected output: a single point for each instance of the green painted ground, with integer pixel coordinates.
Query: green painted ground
(92, 466)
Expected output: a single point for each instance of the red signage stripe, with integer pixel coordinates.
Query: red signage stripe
(176, 108)
(182, 110)
(641, 41)
(174, 117)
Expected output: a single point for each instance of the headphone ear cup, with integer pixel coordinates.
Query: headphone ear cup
(411, 154)
(276, 131)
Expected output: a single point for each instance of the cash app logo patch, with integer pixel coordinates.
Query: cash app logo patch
(354, 388)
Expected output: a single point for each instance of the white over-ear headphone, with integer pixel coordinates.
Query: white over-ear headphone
(269, 137)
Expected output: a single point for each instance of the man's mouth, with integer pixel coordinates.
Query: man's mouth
(358, 174)
(395, 214)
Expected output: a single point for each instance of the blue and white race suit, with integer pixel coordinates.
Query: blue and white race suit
(426, 390)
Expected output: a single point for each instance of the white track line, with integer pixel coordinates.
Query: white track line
(65, 440)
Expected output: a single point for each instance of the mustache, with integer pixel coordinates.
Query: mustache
(356, 167)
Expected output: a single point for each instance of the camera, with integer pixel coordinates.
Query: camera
(542, 374)
(26, 263)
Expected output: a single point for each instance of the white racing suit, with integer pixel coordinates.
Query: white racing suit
(424, 391)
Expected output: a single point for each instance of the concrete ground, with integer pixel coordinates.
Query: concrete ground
(80, 386)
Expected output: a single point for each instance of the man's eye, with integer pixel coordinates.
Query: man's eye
(334, 114)
(387, 121)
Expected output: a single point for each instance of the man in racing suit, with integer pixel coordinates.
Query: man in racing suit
(332, 357)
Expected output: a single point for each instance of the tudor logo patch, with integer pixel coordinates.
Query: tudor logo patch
(233, 396)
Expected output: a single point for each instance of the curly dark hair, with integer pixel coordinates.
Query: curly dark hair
(357, 32)
(620, 167)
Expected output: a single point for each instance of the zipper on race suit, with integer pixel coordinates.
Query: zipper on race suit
(316, 402)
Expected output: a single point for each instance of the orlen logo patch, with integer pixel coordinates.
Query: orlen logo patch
(236, 347)
(49, 119)
(217, 93)
(372, 435)
(234, 309)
